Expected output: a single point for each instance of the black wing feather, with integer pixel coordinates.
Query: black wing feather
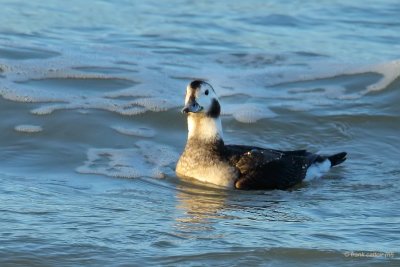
(267, 168)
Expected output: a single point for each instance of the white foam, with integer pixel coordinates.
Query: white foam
(317, 170)
(389, 70)
(141, 131)
(248, 112)
(154, 88)
(31, 82)
(306, 96)
(156, 104)
(4, 68)
(26, 96)
(45, 110)
(145, 159)
(26, 128)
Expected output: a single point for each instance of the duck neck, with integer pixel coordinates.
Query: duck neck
(205, 129)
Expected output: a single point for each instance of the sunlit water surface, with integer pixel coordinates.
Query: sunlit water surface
(90, 93)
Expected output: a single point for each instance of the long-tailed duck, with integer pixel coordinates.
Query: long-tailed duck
(207, 159)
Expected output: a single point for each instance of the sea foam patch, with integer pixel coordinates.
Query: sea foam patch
(248, 112)
(145, 159)
(135, 131)
(390, 72)
(26, 128)
(64, 83)
(140, 84)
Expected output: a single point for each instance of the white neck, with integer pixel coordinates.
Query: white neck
(203, 127)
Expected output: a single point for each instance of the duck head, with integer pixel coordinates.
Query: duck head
(203, 111)
(201, 98)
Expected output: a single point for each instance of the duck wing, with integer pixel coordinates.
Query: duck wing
(268, 168)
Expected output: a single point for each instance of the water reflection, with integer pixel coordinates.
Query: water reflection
(201, 210)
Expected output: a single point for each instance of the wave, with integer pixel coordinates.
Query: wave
(68, 82)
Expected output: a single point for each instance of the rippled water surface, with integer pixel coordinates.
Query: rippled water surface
(90, 94)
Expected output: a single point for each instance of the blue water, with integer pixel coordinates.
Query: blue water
(90, 94)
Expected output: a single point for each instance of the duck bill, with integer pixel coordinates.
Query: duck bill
(192, 106)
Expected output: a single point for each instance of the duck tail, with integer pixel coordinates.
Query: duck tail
(338, 158)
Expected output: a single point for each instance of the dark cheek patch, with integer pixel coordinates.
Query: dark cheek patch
(215, 109)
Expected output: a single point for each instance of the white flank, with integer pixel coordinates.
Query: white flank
(221, 175)
(316, 170)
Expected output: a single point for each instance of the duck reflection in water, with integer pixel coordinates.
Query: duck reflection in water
(199, 207)
(202, 209)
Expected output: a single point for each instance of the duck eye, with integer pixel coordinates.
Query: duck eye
(206, 92)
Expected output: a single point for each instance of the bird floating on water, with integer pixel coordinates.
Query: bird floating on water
(207, 158)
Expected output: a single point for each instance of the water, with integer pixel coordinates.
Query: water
(91, 130)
